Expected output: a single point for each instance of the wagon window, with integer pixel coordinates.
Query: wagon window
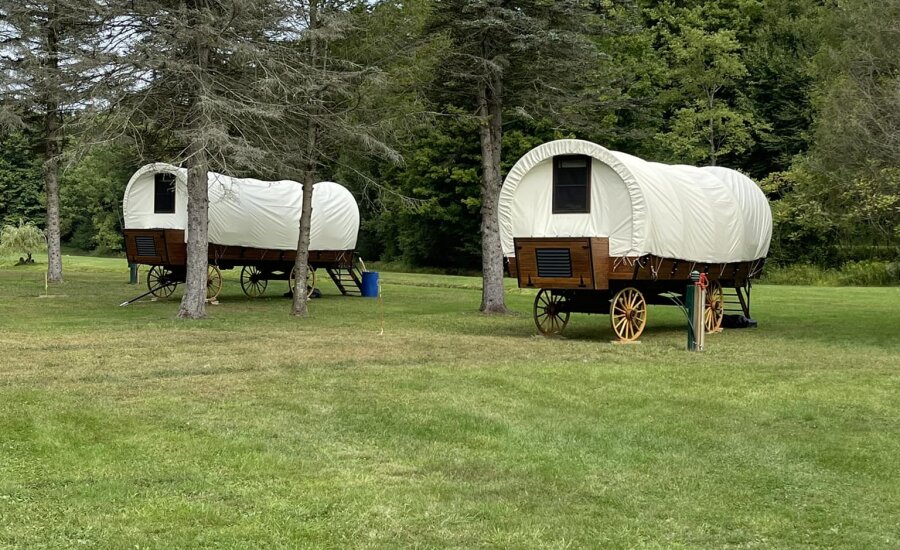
(164, 194)
(571, 184)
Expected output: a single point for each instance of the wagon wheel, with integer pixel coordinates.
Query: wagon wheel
(715, 307)
(253, 281)
(161, 281)
(628, 314)
(213, 282)
(310, 280)
(551, 312)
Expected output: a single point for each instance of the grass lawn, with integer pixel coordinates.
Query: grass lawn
(124, 427)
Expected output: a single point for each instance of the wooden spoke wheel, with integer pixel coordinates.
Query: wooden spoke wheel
(161, 281)
(715, 307)
(310, 280)
(628, 314)
(253, 281)
(213, 282)
(551, 312)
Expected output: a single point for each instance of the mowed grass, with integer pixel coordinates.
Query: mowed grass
(124, 427)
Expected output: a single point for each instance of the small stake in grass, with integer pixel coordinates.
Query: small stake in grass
(46, 293)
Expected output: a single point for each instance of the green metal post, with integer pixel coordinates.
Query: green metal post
(691, 303)
(133, 277)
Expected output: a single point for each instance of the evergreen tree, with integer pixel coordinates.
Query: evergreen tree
(195, 71)
(325, 80)
(21, 182)
(510, 56)
(780, 61)
(47, 71)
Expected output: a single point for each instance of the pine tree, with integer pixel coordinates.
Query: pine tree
(196, 72)
(324, 79)
(526, 57)
(47, 72)
(243, 87)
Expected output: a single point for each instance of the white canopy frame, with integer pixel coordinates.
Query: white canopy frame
(708, 214)
(248, 212)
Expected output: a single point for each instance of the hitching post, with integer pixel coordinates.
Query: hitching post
(695, 299)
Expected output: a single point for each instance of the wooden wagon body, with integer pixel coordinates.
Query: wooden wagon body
(576, 272)
(253, 225)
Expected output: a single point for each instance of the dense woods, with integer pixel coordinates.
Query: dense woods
(421, 107)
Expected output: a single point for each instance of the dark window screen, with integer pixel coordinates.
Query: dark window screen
(571, 184)
(554, 262)
(164, 194)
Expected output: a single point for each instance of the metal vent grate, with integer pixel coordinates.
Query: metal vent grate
(554, 262)
(146, 246)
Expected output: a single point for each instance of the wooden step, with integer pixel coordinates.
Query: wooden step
(347, 280)
(734, 301)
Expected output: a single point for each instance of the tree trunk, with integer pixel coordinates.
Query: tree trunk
(300, 306)
(53, 149)
(193, 303)
(51, 182)
(491, 132)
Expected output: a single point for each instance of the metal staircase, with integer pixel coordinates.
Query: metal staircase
(737, 307)
(347, 279)
(735, 301)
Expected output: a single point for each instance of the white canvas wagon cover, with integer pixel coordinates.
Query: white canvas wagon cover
(709, 214)
(248, 212)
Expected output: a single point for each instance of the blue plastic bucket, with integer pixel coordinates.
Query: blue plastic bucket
(370, 284)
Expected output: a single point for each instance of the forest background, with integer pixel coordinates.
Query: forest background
(802, 95)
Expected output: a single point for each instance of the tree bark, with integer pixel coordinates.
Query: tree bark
(193, 303)
(52, 125)
(51, 182)
(491, 133)
(300, 305)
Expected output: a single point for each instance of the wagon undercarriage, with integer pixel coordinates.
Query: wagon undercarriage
(578, 276)
(164, 250)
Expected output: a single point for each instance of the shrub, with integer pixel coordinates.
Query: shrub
(24, 238)
(863, 273)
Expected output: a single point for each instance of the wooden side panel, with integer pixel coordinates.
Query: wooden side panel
(218, 252)
(331, 257)
(600, 262)
(579, 250)
(167, 246)
(677, 270)
(513, 267)
(653, 268)
(739, 270)
(259, 254)
(146, 246)
(176, 248)
(323, 258)
(621, 267)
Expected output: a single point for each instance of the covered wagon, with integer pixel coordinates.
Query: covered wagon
(599, 231)
(254, 224)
